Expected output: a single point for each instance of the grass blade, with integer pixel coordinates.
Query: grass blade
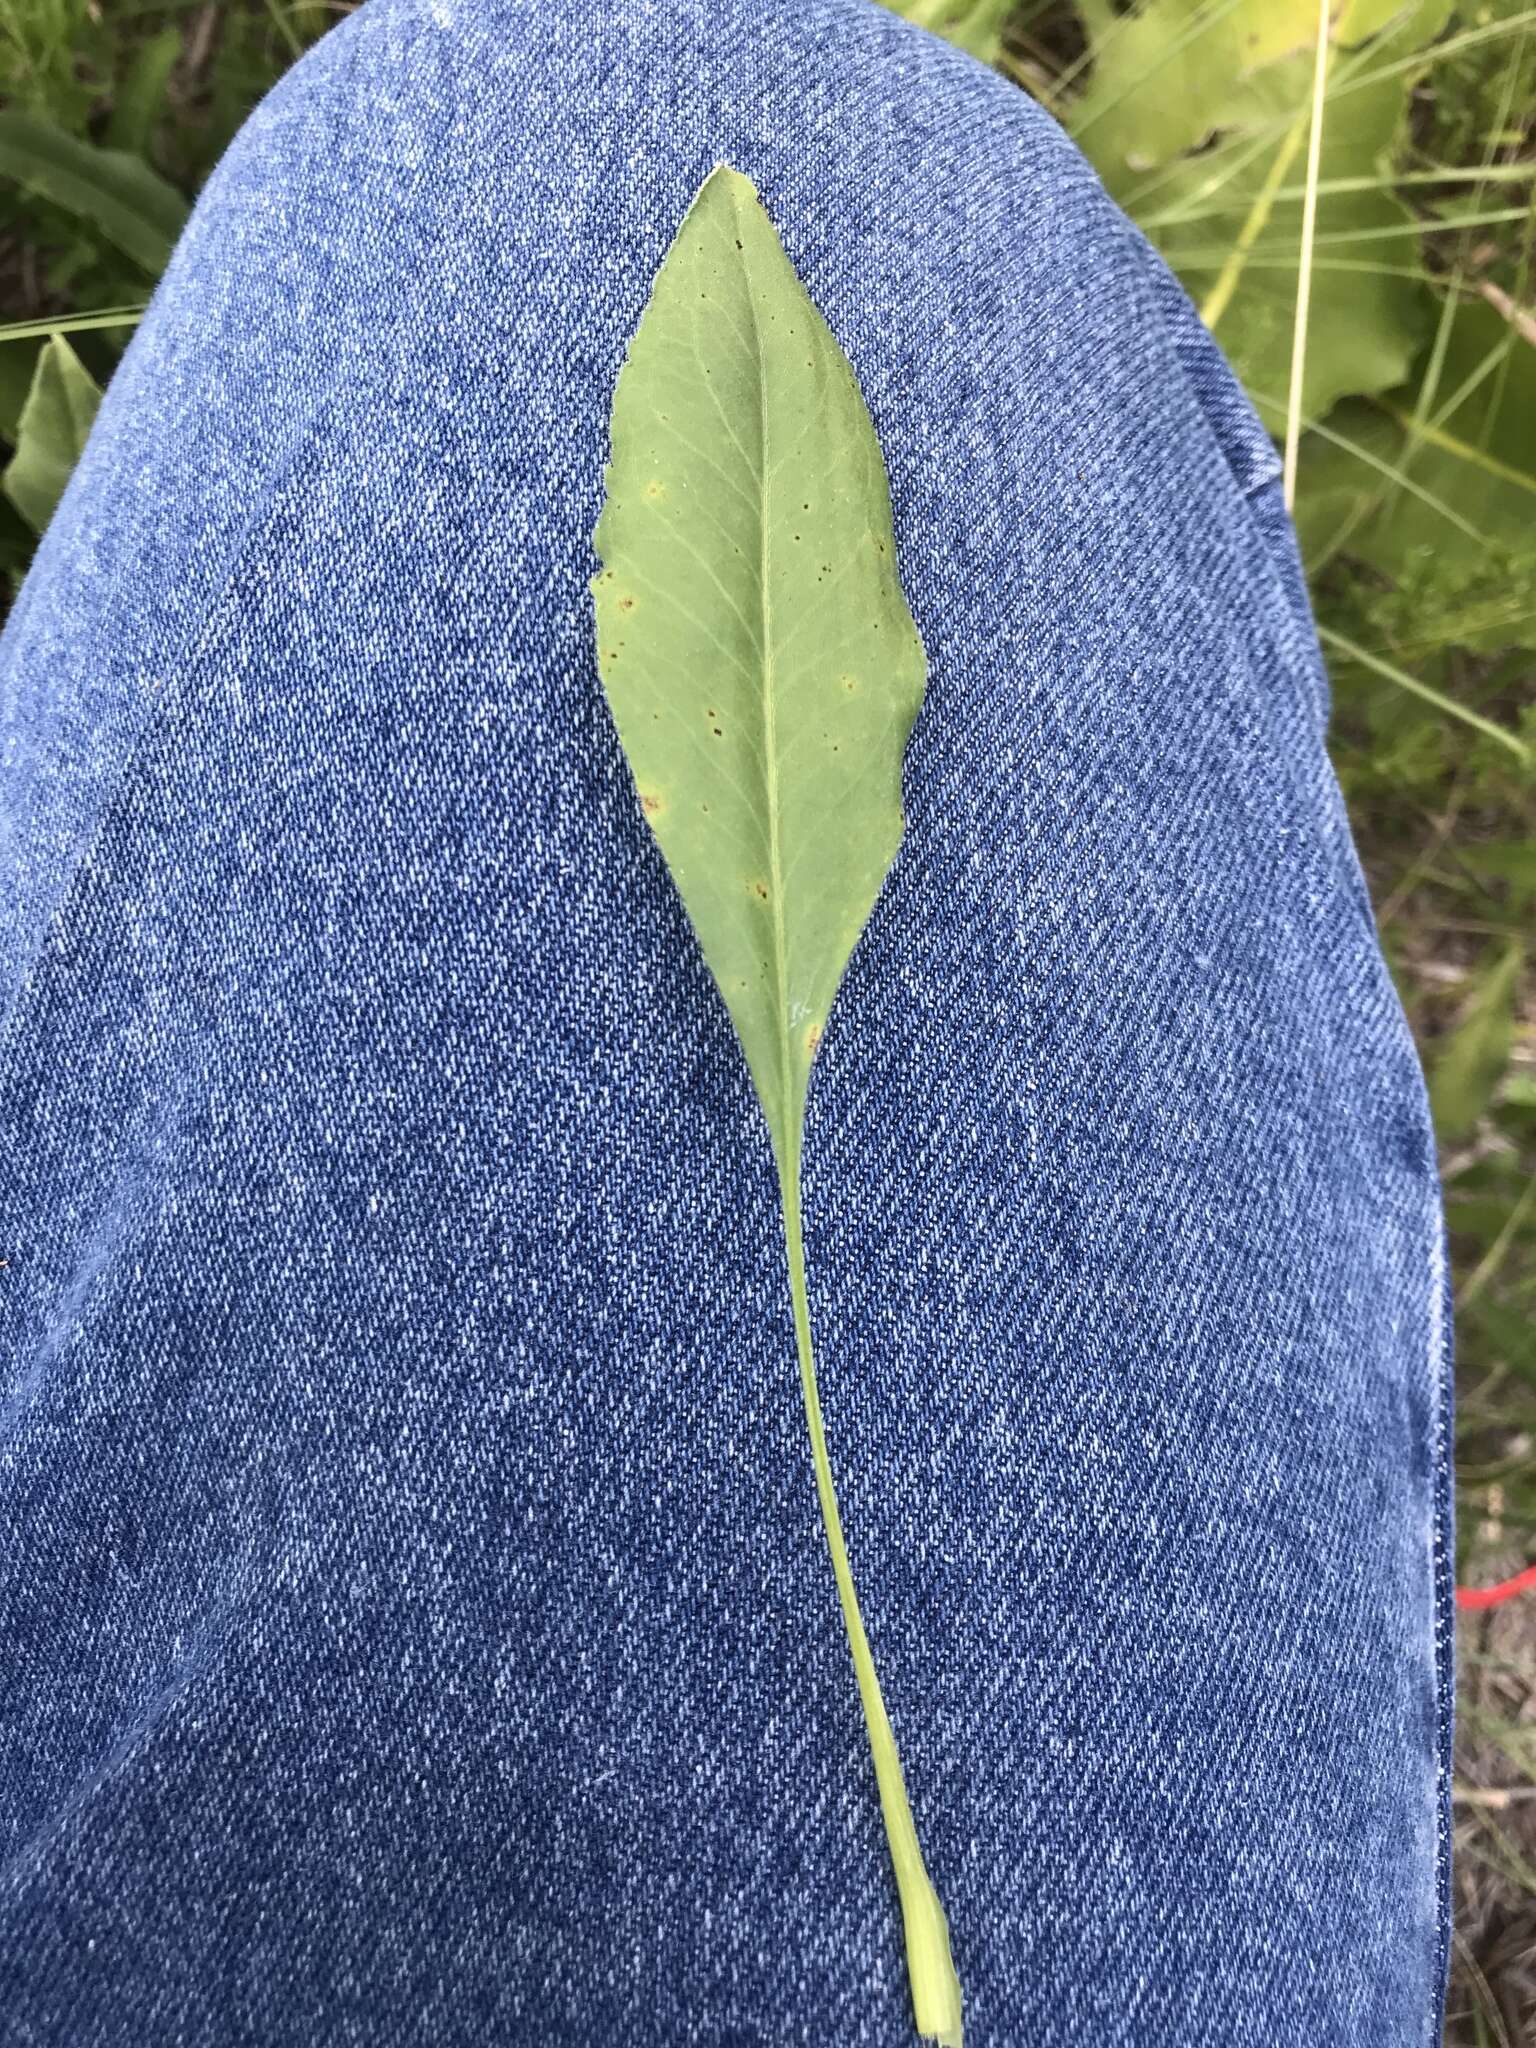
(115, 194)
(1304, 269)
(73, 323)
(1382, 667)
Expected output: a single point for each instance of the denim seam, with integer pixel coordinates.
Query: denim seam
(1443, 1561)
(1340, 853)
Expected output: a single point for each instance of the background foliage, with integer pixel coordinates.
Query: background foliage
(1415, 509)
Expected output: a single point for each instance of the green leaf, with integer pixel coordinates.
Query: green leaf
(1457, 540)
(764, 672)
(974, 25)
(1475, 1055)
(118, 195)
(1168, 76)
(1477, 454)
(51, 435)
(1196, 117)
(758, 653)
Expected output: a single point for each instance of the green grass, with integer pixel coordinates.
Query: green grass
(1415, 502)
(164, 85)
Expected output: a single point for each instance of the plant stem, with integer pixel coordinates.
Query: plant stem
(930, 1966)
(1217, 299)
(71, 323)
(1430, 695)
(1304, 261)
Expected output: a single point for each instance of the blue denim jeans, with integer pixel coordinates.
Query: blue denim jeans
(415, 1619)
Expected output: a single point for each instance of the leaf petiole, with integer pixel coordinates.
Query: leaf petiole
(935, 1986)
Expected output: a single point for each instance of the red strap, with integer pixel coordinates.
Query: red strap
(1495, 1596)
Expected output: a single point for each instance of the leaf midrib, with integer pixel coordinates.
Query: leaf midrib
(782, 1135)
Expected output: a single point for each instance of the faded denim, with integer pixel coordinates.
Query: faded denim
(416, 1623)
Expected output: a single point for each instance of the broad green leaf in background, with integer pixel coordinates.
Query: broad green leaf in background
(1196, 117)
(764, 672)
(974, 25)
(1167, 77)
(51, 434)
(116, 194)
(1472, 1062)
(1458, 543)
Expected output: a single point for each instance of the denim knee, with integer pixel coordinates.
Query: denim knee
(419, 1623)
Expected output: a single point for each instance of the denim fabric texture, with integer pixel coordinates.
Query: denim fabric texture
(415, 1618)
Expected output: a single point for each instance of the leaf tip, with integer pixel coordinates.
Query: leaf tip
(734, 188)
(726, 176)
